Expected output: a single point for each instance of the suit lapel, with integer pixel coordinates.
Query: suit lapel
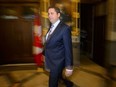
(55, 31)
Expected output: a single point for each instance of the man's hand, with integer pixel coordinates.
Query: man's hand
(68, 72)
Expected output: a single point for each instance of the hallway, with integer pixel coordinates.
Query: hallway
(88, 74)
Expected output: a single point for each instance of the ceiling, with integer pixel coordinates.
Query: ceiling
(10, 1)
(91, 1)
(36, 1)
(82, 1)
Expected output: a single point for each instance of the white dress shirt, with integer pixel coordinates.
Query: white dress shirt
(54, 27)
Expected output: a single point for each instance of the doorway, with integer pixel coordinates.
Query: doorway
(99, 40)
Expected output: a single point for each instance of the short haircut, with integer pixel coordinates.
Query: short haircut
(56, 9)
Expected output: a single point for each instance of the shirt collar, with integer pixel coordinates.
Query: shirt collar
(56, 23)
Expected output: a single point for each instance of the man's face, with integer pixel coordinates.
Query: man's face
(53, 15)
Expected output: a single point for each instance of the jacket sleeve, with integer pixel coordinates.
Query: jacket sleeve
(68, 47)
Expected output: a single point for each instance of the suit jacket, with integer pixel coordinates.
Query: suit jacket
(58, 49)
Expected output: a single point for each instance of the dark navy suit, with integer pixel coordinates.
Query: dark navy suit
(58, 53)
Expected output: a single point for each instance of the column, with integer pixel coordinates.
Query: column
(45, 22)
(75, 20)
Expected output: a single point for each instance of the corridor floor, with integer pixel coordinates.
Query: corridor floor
(88, 74)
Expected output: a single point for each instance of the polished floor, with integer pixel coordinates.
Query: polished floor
(87, 74)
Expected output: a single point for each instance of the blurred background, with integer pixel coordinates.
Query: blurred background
(93, 24)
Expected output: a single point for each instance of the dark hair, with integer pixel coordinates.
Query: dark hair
(56, 9)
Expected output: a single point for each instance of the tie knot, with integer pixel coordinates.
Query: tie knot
(52, 26)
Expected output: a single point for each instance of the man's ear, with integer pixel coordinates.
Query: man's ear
(58, 14)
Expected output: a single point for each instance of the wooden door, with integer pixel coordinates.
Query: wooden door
(15, 41)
